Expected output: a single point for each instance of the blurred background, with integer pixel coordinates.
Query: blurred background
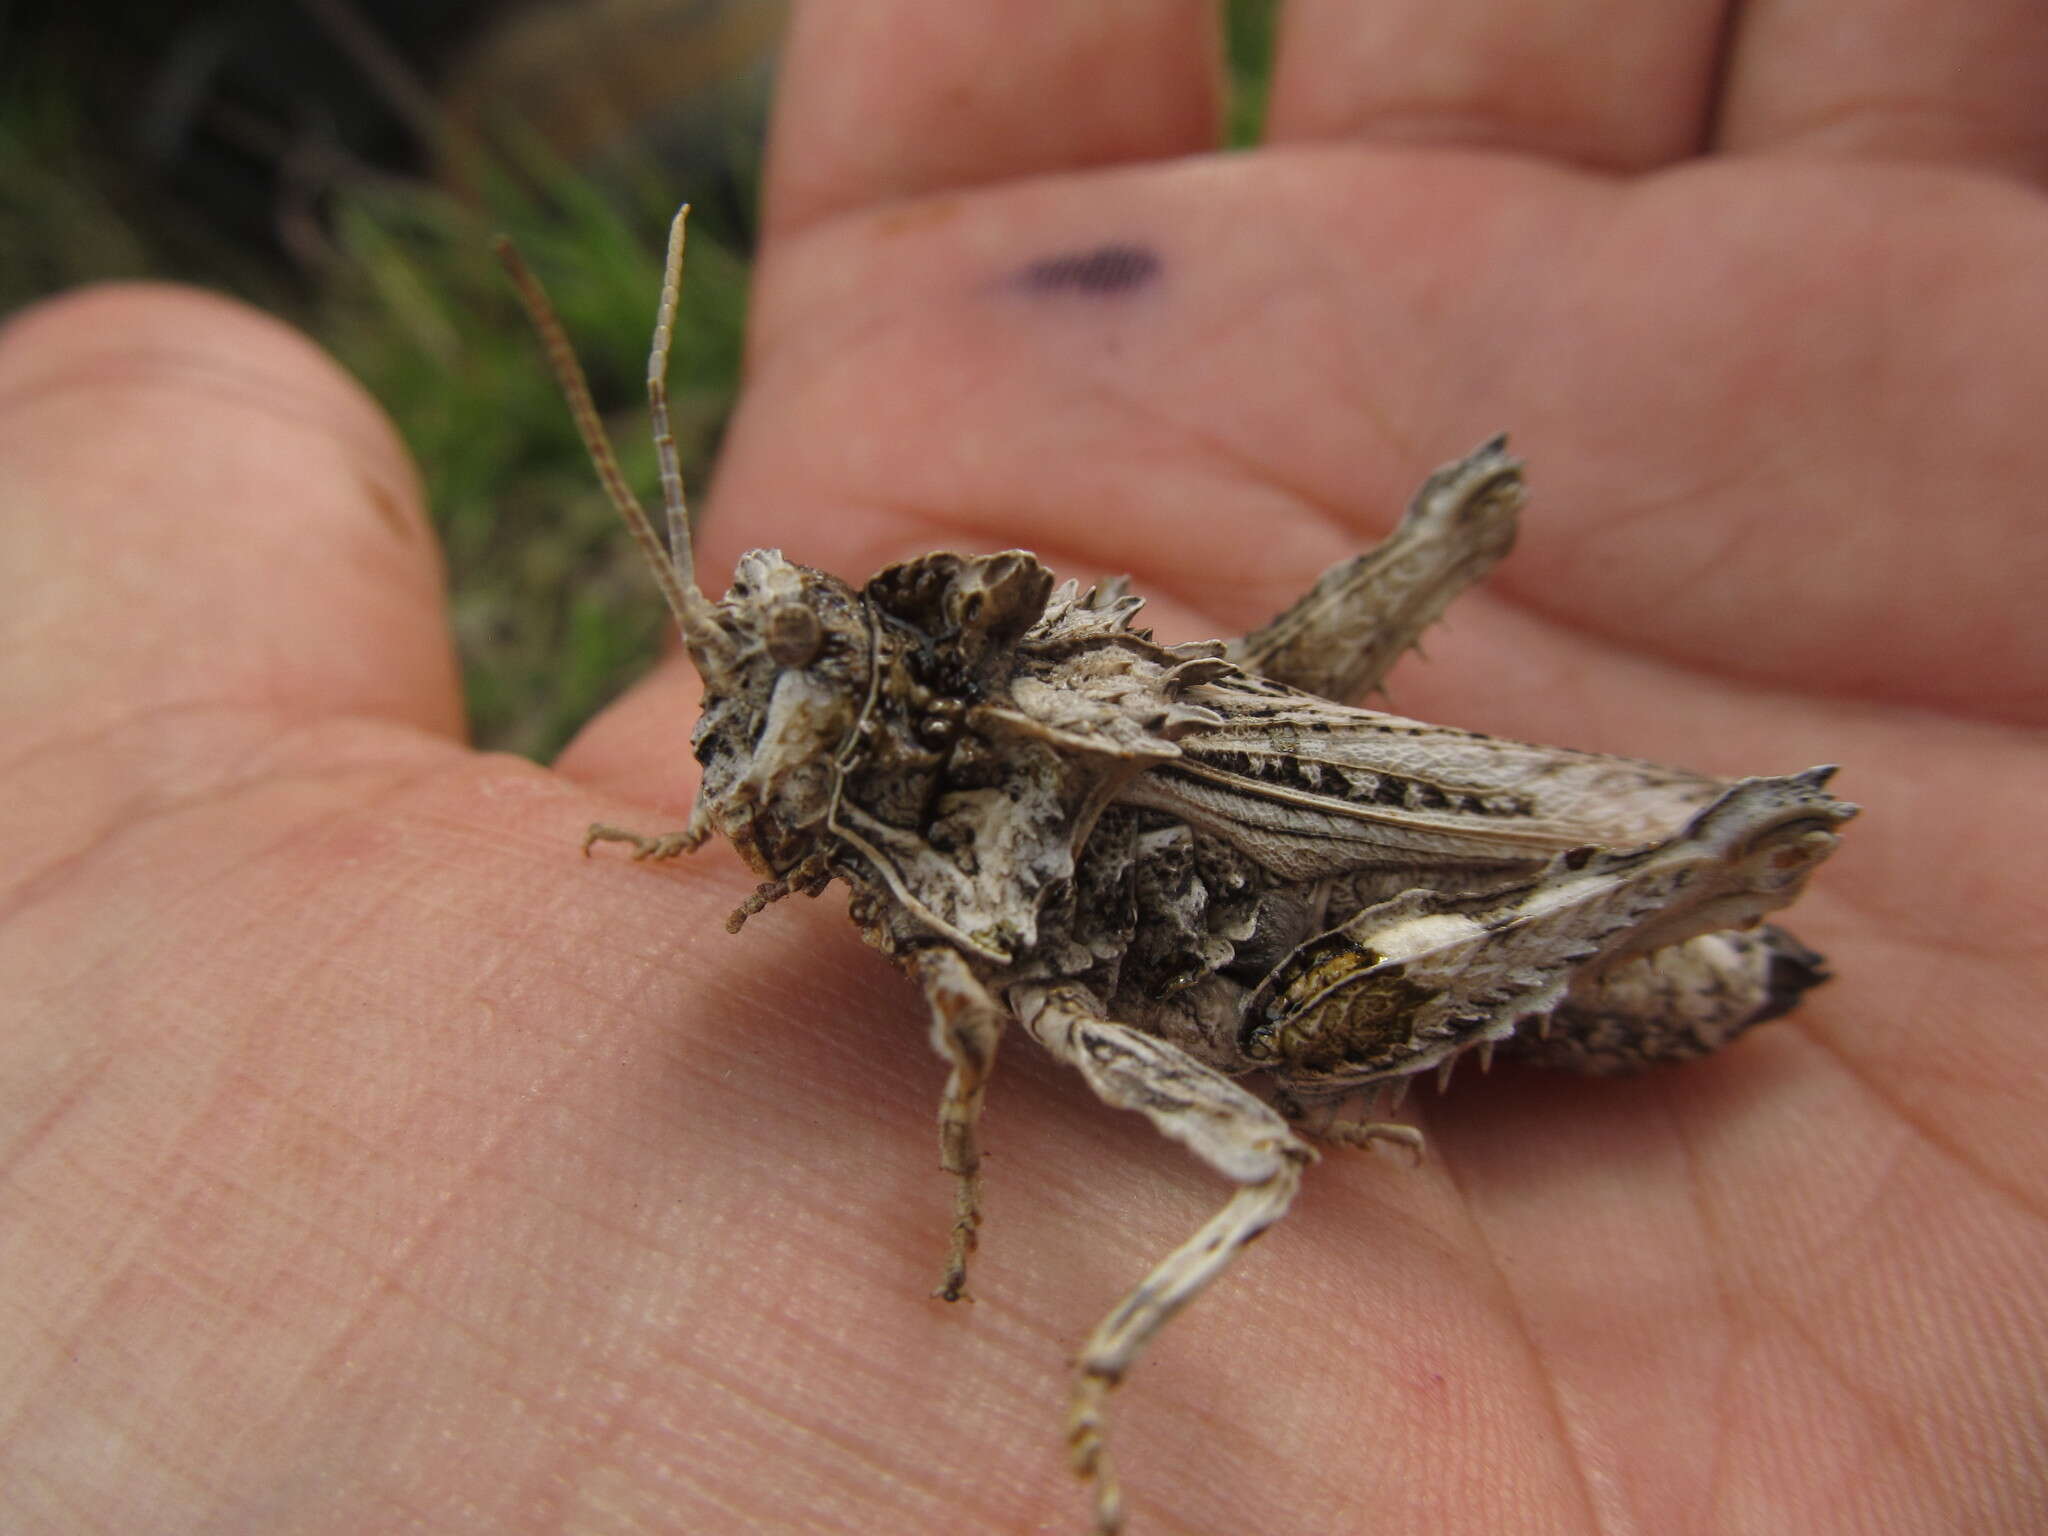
(344, 163)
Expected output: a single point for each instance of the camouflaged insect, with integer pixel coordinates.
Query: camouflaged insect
(1177, 865)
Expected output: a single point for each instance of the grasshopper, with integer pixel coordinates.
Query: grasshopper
(1176, 865)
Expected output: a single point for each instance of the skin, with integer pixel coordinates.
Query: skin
(374, 1162)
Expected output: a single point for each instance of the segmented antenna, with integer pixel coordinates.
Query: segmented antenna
(569, 375)
(680, 552)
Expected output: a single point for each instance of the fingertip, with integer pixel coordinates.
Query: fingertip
(1604, 84)
(900, 99)
(89, 336)
(110, 334)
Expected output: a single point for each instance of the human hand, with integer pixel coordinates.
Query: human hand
(372, 1160)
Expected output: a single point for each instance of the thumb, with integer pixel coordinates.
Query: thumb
(204, 513)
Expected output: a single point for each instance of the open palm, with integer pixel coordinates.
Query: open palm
(373, 1162)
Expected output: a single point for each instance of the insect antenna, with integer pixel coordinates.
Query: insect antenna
(680, 553)
(674, 570)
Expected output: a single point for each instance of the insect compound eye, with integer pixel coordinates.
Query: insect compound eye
(937, 730)
(794, 635)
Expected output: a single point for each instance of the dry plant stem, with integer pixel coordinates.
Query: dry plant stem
(1178, 865)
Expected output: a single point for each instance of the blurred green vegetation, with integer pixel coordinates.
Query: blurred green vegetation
(552, 612)
(1249, 28)
(551, 608)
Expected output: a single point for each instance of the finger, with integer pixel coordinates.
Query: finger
(1919, 79)
(1607, 83)
(896, 98)
(1764, 468)
(204, 512)
(1739, 460)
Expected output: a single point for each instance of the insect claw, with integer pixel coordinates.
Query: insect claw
(1401, 1136)
(1089, 1456)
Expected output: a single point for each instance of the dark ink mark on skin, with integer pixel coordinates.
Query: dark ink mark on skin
(1106, 271)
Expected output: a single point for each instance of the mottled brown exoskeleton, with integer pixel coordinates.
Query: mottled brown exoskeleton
(1178, 865)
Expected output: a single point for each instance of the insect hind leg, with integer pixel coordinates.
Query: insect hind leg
(1343, 636)
(1233, 1132)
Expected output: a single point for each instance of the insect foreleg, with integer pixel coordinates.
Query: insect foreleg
(966, 1025)
(662, 845)
(1230, 1130)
